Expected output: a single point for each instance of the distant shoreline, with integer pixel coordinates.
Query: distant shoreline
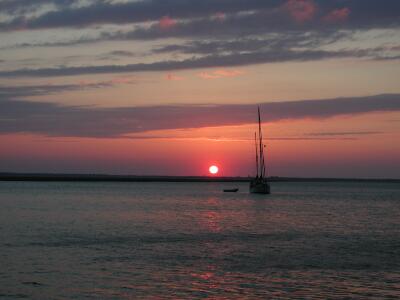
(134, 178)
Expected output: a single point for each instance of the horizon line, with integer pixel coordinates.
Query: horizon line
(18, 176)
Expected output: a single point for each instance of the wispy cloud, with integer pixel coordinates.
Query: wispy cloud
(227, 44)
(22, 91)
(230, 139)
(207, 61)
(173, 77)
(166, 23)
(122, 53)
(366, 13)
(102, 12)
(218, 34)
(222, 73)
(56, 120)
(338, 15)
(301, 10)
(344, 133)
(26, 6)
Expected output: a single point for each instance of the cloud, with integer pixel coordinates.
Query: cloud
(102, 12)
(81, 121)
(313, 139)
(259, 22)
(66, 43)
(229, 139)
(166, 22)
(121, 53)
(173, 77)
(220, 16)
(266, 16)
(229, 60)
(262, 32)
(22, 91)
(198, 20)
(338, 15)
(23, 6)
(9, 92)
(343, 133)
(116, 55)
(270, 42)
(234, 43)
(125, 80)
(301, 10)
(220, 74)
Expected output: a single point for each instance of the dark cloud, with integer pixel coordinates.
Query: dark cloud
(23, 6)
(220, 33)
(271, 15)
(257, 23)
(279, 42)
(122, 53)
(234, 42)
(344, 133)
(227, 139)
(117, 54)
(134, 12)
(66, 43)
(313, 138)
(56, 120)
(229, 60)
(11, 92)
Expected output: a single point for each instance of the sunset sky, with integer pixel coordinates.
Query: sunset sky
(171, 87)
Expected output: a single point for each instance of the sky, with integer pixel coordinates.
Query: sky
(171, 87)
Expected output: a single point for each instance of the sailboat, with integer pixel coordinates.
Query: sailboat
(259, 184)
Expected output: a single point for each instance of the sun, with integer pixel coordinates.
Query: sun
(213, 169)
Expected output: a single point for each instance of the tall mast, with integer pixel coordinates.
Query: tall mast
(255, 143)
(261, 145)
(263, 162)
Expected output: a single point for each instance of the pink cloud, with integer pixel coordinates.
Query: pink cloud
(220, 16)
(220, 74)
(84, 82)
(338, 15)
(206, 75)
(301, 10)
(124, 80)
(228, 73)
(166, 22)
(110, 82)
(173, 77)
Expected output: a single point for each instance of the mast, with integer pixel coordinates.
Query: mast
(263, 162)
(255, 143)
(261, 159)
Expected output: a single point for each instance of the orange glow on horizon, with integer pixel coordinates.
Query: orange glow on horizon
(352, 146)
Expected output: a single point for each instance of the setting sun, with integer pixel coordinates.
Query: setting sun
(213, 170)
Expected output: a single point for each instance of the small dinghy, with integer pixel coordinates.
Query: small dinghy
(231, 190)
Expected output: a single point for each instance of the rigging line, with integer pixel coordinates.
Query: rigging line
(255, 143)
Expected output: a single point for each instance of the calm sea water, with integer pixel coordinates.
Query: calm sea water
(192, 241)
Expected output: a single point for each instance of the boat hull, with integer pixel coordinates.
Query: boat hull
(231, 190)
(259, 187)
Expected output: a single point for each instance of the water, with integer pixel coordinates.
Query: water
(192, 241)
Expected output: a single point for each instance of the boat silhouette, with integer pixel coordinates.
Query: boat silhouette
(259, 184)
(231, 190)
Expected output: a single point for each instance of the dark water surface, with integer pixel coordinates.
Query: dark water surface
(192, 241)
